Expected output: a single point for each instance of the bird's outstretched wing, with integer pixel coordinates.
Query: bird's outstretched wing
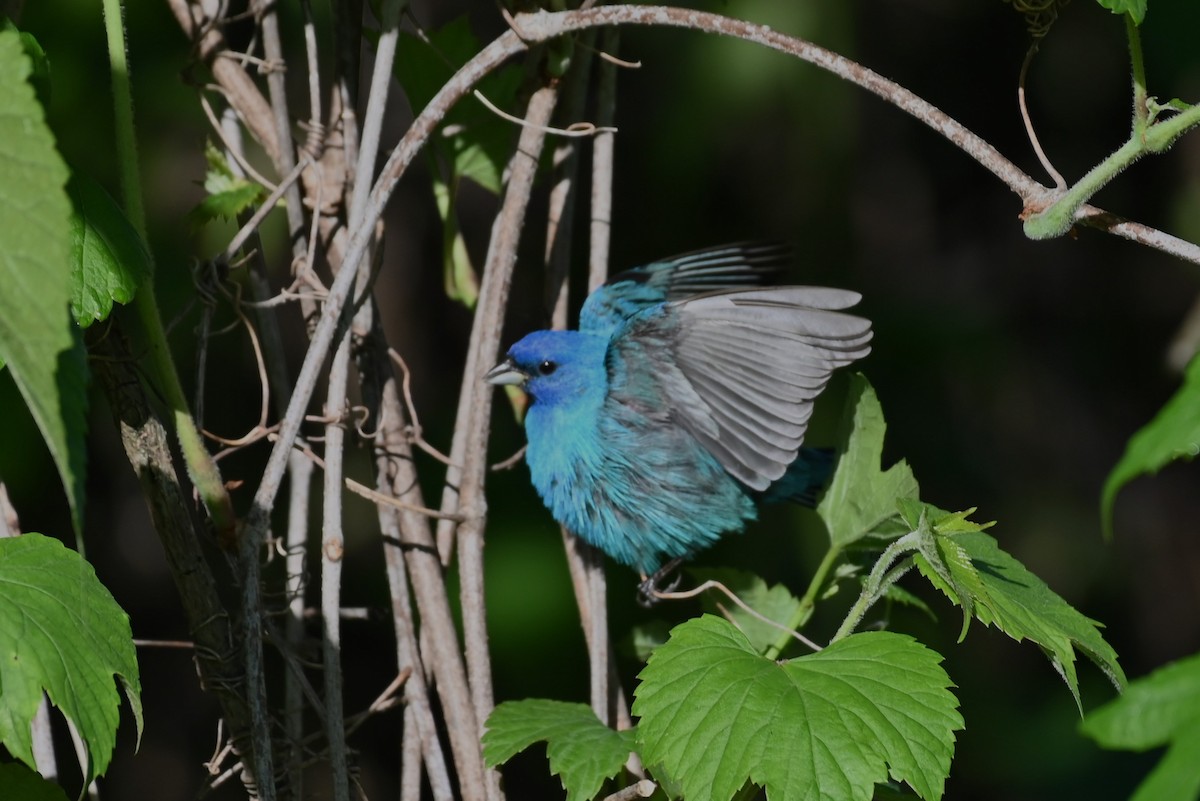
(736, 266)
(740, 370)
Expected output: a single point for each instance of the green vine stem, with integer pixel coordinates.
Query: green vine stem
(1141, 112)
(807, 602)
(149, 333)
(877, 583)
(1147, 136)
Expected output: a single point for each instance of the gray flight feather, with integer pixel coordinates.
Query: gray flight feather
(741, 369)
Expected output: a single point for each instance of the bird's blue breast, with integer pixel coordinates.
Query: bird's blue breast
(616, 470)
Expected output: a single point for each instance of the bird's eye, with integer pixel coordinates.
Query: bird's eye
(547, 367)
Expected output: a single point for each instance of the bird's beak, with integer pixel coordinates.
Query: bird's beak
(506, 372)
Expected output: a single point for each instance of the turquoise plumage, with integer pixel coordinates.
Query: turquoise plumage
(682, 401)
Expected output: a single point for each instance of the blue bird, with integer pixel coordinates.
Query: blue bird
(682, 401)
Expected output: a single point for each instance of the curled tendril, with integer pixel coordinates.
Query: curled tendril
(1039, 14)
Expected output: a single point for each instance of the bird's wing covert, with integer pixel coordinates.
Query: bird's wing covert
(745, 368)
(736, 266)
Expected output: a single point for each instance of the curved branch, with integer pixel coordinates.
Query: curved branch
(541, 26)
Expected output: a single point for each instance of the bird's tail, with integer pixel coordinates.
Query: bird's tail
(805, 479)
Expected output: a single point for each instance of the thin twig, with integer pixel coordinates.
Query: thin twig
(1059, 181)
(333, 548)
(642, 789)
(474, 425)
(573, 130)
(712, 584)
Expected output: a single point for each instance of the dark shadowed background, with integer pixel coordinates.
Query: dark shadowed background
(1011, 372)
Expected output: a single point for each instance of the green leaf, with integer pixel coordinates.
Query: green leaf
(109, 261)
(61, 631)
(773, 602)
(474, 141)
(35, 334)
(226, 204)
(833, 724)
(39, 62)
(861, 496)
(1174, 433)
(1160, 709)
(582, 750)
(971, 569)
(19, 782)
(1134, 8)
(228, 194)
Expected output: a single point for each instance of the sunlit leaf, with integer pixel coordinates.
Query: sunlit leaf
(862, 496)
(1173, 434)
(62, 632)
(1162, 709)
(833, 724)
(36, 342)
(582, 750)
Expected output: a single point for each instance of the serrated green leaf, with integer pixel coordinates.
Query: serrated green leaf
(61, 631)
(582, 750)
(1134, 8)
(228, 194)
(1174, 433)
(774, 602)
(39, 62)
(474, 141)
(1001, 592)
(227, 204)
(861, 496)
(35, 334)
(1156, 710)
(829, 725)
(19, 782)
(108, 259)
(1152, 711)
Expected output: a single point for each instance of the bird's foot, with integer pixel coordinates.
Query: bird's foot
(649, 590)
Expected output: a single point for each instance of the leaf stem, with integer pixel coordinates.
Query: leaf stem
(880, 578)
(807, 602)
(1141, 111)
(201, 468)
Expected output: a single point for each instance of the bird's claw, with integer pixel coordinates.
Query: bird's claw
(649, 591)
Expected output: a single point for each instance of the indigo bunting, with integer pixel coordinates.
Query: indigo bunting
(681, 401)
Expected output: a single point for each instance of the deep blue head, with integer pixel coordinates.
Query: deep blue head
(555, 367)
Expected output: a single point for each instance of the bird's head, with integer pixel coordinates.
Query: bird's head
(554, 366)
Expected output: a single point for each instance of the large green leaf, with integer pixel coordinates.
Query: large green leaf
(582, 750)
(1160, 709)
(109, 261)
(19, 782)
(35, 334)
(861, 496)
(1174, 433)
(975, 573)
(61, 631)
(830, 725)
